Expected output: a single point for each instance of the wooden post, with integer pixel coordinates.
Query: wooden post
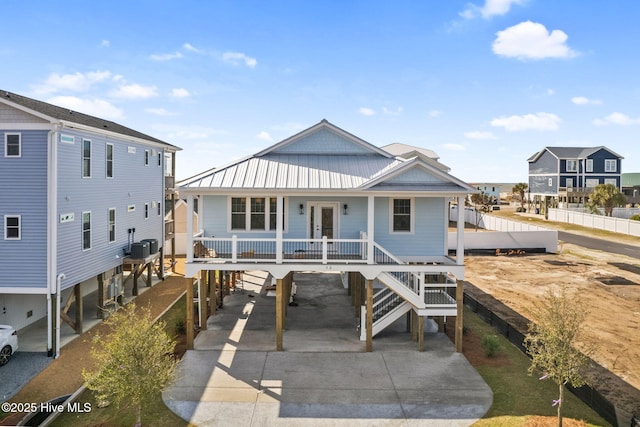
(279, 313)
(100, 313)
(202, 300)
(357, 299)
(459, 321)
(189, 284)
(369, 345)
(78, 296)
(420, 333)
(149, 273)
(440, 322)
(409, 321)
(414, 326)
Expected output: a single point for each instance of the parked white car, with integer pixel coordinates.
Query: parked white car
(8, 343)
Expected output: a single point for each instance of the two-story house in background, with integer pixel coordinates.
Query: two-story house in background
(77, 193)
(565, 176)
(325, 200)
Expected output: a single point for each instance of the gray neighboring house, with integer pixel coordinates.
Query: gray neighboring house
(77, 191)
(567, 175)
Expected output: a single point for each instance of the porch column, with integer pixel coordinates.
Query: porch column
(279, 313)
(279, 228)
(459, 320)
(202, 300)
(188, 283)
(420, 333)
(460, 233)
(369, 344)
(190, 227)
(370, 229)
(79, 307)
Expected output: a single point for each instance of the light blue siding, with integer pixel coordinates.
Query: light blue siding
(23, 263)
(133, 184)
(323, 142)
(413, 176)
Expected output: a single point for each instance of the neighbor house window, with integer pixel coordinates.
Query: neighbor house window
(86, 158)
(159, 208)
(610, 165)
(146, 211)
(12, 145)
(86, 230)
(589, 166)
(611, 181)
(160, 158)
(402, 215)
(111, 228)
(12, 227)
(238, 213)
(572, 165)
(146, 157)
(109, 161)
(592, 182)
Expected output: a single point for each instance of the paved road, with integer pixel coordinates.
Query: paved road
(600, 244)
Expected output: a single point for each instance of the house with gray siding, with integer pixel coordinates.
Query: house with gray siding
(567, 175)
(77, 192)
(326, 200)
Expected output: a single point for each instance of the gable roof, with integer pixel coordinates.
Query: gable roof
(398, 149)
(54, 113)
(571, 152)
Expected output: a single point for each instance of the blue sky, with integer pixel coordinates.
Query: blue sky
(484, 84)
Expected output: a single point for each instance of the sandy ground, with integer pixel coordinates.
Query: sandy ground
(608, 283)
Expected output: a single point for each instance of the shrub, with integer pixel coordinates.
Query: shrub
(635, 217)
(490, 344)
(521, 209)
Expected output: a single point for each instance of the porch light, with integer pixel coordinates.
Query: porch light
(345, 210)
(301, 209)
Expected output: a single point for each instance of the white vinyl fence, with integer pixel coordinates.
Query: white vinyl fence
(618, 225)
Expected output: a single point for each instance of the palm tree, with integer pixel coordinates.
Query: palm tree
(520, 189)
(606, 196)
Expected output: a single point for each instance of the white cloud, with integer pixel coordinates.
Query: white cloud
(180, 93)
(434, 113)
(160, 112)
(617, 119)
(190, 48)
(135, 91)
(166, 56)
(490, 8)
(94, 107)
(264, 135)
(181, 133)
(583, 100)
(237, 58)
(105, 43)
(453, 147)
(530, 40)
(388, 112)
(76, 82)
(366, 111)
(551, 92)
(479, 135)
(537, 121)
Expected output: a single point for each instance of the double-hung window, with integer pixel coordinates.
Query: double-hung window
(238, 213)
(572, 166)
(86, 158)
(109, 161)
(86, 231)
(12, 145)
(12, 227)
(402, 216)
(258, 210)
(254, 213)
(146, 157)
(610, 165)
(589, 166)
(111, 229)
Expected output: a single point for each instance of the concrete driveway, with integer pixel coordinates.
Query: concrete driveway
(234, 377)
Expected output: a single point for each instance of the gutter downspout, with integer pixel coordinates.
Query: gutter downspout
(59, 280)
(52, 232)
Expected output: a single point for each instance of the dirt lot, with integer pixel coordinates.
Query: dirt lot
(608, 283)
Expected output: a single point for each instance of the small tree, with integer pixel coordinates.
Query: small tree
(520, 188)
(606, 196)
(481, 205)
(133, 362)
(552, 343)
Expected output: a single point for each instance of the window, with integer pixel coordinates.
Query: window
(146, 211)
(238, 213)
(86, 231)
(572, 166)
(86, 158)
(258, 209)
(109, 165)
(273, 213)
(592, 182)
(12, 145)
(589, 166)
(610, 165)
(159, 208)
(261, 216)
(12, 227)
(111, 228)
(402, 217)
(611, 181)
(146, 157)
(160, 158)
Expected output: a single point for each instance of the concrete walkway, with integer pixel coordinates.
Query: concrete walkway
(234, 377)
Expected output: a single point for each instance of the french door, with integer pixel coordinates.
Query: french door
(323, 221)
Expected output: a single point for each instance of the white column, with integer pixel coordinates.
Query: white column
(460, 232)
(370, 229)
(279, 228)
(190, 227)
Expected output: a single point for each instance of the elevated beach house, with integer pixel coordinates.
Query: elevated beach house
(325, 200)
(79, 193)
(567, 175)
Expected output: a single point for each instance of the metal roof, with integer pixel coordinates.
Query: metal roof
(64, 114)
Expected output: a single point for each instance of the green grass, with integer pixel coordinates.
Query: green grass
(155, 413)
(516, 395)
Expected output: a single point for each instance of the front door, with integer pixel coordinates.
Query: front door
(323, 220)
